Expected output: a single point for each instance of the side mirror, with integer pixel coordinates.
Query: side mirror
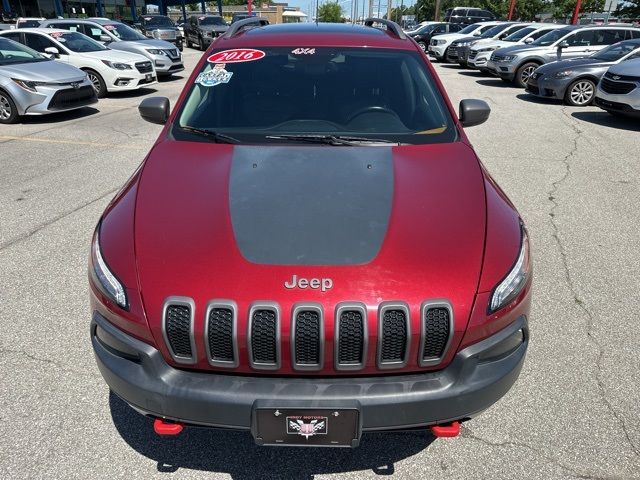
(53, 51)
(477, 34)
(105, 38)
(563, 44)
(155, 109)
(473, 112)
(528, 41)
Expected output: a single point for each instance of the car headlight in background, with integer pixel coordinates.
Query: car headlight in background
(508, 58)
(117, 65)
(155, 51)
(512, 284)
(28, 85)
(441, 42)
(103, 278)
(156, 34)
(487, 49)
(563, 74)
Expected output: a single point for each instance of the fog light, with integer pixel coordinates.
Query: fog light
(121, 82)
(505, 347)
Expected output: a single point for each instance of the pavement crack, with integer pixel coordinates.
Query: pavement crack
(9, 351)
(468, 433)
(30, 233)
(590, 320)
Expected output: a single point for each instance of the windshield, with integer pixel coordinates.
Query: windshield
(469, 28)
(29, 23)
(124, 32)
(551, 37)
(13, 52)
(520, 34)
(211, 21)
(77, 42)
(616, 51)
(366, 93)
(492, 32)
(426, 28)
(158, 21)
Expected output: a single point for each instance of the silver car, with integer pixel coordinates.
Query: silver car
(33, 84)
(619, 89)
(165, 56)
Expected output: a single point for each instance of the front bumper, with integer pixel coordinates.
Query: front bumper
(479, 60)
(437, 51)
(46, 99)
(166, 65)
(628, 104)
(478, 376)
(546, 87)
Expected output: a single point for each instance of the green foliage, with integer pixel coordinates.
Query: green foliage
(629, 9)
(330, 12)
(564, 8)
(525, 9)
(397, 13)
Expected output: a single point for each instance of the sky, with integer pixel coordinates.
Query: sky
(307, 5)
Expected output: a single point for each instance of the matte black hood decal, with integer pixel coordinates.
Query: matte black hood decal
(311, 205)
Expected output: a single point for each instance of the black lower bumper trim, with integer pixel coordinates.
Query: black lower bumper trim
(473, 381)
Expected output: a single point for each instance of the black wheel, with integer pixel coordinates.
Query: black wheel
(580, 93)
(524, 72)
(422, 45)
(98, 83)
(201, 44)
(189, 44)
(8, 110)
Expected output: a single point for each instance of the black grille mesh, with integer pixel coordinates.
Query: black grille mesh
(307, 338)
(220, 334)
(178, 326)
(616, 88)
(263, 336)
(350, 337)
(394, 336)
(72, 97)
(436, 332)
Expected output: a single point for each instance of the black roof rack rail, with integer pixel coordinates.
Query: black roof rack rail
(391, 26)
(236, 27)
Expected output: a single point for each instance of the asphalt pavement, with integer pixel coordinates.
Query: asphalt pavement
(573, 174)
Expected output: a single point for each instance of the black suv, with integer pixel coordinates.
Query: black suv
(160, 27)
(467, 15)
(201, 30)
(423, 34)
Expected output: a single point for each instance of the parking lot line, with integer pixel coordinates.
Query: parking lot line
(71, 142)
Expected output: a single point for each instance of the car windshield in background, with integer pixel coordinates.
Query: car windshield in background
(158, 22)
(124, 32)
(469, 28)
(520, 34)
(493, 31)
(29, 24)
(12, 53)
(211, 21)
(615, 52)
(77, 42)
(551, 37)
(366, 93)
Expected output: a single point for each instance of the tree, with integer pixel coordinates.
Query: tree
(629, 9)
(330, 12)
(525, 9)
(563, 9)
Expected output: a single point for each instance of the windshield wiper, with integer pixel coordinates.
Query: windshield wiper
(331, 139)
(216, 137)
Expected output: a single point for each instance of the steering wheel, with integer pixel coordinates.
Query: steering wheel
(372, 109)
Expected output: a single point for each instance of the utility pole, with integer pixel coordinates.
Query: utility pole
(576, 12)
(511, 9)
(370, 8)
(389, 2)
(436, 15)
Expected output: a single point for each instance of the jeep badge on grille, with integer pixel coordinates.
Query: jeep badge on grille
(323, 284)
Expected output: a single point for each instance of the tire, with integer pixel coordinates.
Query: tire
(524, 72)
(580, 93)
(201, 44)
(189, 44)
(423, 46)
(8, 110)
(98, 83)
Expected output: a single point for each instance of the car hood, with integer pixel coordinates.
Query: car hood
(493, 43)
(48, 71)
(150, 43)
(573, 63)
(450, 37)
(214, 28)
(115, 56)
(237, 222)
(629, 67)
(519, 48)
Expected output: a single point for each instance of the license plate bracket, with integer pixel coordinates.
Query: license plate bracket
(319, 427)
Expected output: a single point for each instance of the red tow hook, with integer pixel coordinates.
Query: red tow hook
(165, 428)
(448, 430)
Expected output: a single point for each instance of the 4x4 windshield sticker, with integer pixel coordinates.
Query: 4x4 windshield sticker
(236, 55)
(215, 76)
(304, 51)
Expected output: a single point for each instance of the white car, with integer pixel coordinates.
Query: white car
(108, 70)
(481, 51)
(440, 43)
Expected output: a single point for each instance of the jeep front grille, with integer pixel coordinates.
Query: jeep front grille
(351, 336)
(220, 334)
(178, 328)
(437, 330)
(264, 337)
(393, 335)
(307, 337)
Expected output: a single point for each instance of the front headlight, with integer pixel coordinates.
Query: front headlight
(441, 42)
(103, 278)
(563, 74)
(28, 85)
(512, 284)
(154, 51)
(487, 49)
(508, 58)
(117, 65)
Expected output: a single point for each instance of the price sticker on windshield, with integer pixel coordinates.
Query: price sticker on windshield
(55, 34)
(236, 55)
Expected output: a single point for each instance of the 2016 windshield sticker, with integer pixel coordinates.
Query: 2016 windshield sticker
(109, 27)
(236, 55)
(304, 51)
(215, 76)
(55, 34)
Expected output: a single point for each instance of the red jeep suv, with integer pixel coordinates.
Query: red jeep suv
(311, 249)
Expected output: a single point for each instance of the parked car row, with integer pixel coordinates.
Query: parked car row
(574, 63)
